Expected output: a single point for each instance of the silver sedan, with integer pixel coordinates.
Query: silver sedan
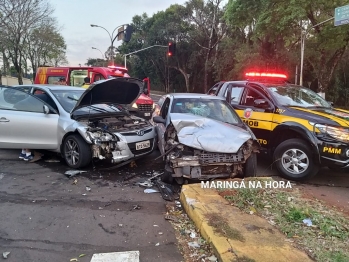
(77, 123)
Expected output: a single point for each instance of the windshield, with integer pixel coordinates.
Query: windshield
(68, 98)
(215, 109)
(292, 95)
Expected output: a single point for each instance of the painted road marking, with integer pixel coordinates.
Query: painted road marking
(129, 256)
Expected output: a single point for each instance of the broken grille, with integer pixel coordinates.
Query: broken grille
(213, 158)
(144, 107)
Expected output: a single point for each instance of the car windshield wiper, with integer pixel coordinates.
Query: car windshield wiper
(101, 110)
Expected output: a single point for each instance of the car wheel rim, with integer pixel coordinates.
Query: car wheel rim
(295, 161)
(72, 152)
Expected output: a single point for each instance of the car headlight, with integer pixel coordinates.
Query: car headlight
(134, 105)
(336, 132)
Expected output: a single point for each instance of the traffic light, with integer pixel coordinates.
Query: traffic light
(171, 49)
(128, 33)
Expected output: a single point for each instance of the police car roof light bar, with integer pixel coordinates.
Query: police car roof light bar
(271, 75)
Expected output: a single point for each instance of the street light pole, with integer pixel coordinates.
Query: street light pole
(111, 36)
(303, 37)
(100, 52)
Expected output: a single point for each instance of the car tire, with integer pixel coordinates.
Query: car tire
(76, 152)
(250, 166)
(296, 150)
(167, 175)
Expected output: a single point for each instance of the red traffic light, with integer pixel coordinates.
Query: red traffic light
(171, 49)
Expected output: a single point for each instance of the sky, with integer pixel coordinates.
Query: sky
(75, 17)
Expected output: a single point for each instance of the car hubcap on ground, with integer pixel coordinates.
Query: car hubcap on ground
(72, 152)
(295, 161)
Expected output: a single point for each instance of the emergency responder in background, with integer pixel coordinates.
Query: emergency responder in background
(87, 82)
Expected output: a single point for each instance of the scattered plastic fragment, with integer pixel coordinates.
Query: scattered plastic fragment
(74, 259)
(192, 235)
(88, 188)
(52, 160)
(5, 254)
(145, 184)
(157, 244)
(75, 182)
(308, 222)
(160, 233)
(136, 207)
(194, 244)
(120, 225)
(82, 255)
(212, 258)
(149, 190)
(71, 173)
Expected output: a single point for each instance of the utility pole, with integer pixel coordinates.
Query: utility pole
(303, 37)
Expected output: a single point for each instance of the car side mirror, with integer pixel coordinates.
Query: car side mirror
(159, 120)
(46, 109)
(261, 103)
(331, 103)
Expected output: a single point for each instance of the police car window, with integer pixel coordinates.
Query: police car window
(250, 97)
(291, 95)
(235, 93)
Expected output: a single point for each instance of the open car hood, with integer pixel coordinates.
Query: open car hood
(207, 134)
(121, 90)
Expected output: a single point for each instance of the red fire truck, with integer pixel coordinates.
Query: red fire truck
(74, 76)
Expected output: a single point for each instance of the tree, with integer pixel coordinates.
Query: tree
(45, 45)
(22, 16)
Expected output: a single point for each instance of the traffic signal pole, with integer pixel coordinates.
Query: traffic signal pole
(125, 55)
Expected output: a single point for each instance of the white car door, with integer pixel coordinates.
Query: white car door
(23, 123)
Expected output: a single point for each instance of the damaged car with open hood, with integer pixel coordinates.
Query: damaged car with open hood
(79, 124)
(202, 137)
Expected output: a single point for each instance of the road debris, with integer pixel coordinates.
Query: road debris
(82, 255)
(53, 160)
(130, 176)
(133, 164)
(1, 176)
(160, 233)
(74, 259)
(308, 222)
(157, 244)
(165, 190)
(194, 244)
(75, 182)
(150, 190)
(120, 225)
(146, 183)
(136, 207)
(212, 258)
(192, 235)
(71, 173)
(88, 188)
(5, 254)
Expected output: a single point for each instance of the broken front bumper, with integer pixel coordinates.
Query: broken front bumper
(208, 165)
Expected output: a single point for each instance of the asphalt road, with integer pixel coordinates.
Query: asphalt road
(46, 217)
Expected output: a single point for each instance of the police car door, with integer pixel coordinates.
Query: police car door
(257, 111)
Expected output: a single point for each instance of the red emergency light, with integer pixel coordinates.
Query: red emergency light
(266, 75)
(113, 67)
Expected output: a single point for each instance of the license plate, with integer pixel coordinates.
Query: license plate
(146, 114)
(143, 145)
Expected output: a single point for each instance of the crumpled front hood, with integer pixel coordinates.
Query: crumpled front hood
(121, 90)
(208, 134)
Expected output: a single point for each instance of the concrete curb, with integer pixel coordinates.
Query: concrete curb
(262, 242)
